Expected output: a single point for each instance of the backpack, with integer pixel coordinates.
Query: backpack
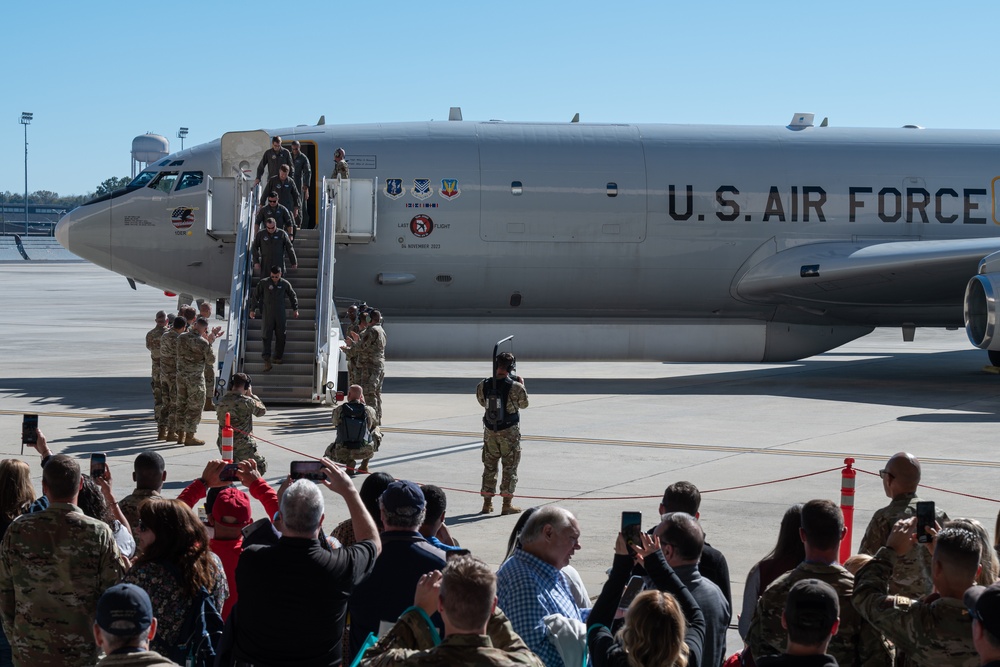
(496, 392)
(200, 633)
(352, 431)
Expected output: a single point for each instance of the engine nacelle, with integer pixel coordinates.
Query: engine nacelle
(980, 310)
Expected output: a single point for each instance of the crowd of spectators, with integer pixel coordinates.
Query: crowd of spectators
(87, 579)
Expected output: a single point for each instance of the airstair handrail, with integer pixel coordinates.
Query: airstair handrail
(326, 336)
(239, 298)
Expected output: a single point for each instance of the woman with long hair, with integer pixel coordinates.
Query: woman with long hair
(98, 502)
(786, 555)
(989, 568)
(174, 562)
(16, 496)
(663, 627)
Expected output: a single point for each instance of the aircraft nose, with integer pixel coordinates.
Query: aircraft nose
(86, 231)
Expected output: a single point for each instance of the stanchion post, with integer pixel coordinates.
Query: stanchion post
(847, 476)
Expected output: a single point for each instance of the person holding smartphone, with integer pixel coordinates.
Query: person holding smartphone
(900, 481)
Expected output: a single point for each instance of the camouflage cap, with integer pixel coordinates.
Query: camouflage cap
(812, 605)
(124, 610)
(983, 603)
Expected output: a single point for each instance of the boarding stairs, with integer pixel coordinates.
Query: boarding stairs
(312, 360)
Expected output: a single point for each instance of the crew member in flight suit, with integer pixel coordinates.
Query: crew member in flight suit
(269, 300)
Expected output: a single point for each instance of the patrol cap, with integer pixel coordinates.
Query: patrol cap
(124, 610)
(812, 605)
(983, 603)
(232, 507)
(403, 497)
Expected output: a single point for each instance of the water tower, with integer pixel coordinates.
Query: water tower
(148, 148)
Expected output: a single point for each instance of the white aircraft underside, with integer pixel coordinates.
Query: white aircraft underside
(617, 241)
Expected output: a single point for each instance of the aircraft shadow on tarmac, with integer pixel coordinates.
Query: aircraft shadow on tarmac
(932, 381)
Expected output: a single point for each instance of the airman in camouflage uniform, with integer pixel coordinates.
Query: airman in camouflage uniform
(340, 168)
(242, 406)
(345, 455)
(369, 351)
(857, 643)
(54, 565)
(502, 435)
(937, 630)
(168, 377)
(153, 337)
(194, 352)
(911, 575)
(216, 332)
(352, 325)
(413, 640)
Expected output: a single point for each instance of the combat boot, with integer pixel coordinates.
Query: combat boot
(161, 432)
(267, 364)
(180, 437)
(191, 440)
(364, 466)
(170, 436)
(487, 505)
(209, 405)
(508, 507)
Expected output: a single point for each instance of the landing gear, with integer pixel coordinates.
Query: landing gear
(994, 357)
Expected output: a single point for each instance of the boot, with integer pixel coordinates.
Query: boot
(191, 440)
(278, 361)
(209, 405)
(364, 466)
(161, 432)
(267, 364)
(487, 505)
(180, 437)
(508, 508)
(170, 436)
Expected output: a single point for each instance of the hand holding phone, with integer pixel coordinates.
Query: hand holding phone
(230, 473)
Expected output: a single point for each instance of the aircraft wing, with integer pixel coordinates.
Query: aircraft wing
(845, 278)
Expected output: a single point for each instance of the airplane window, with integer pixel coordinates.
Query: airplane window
(164, 181)
(189, 179)
(612, 189)
(142, 179)
(516, 188)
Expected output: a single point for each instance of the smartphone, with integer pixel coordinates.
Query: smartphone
(29, 431)
(98, 464)
(312, 470)
(631, 528)
(632, 589)
(228, 474)
(925, 519)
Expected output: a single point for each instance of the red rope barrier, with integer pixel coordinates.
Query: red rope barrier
(934, 488)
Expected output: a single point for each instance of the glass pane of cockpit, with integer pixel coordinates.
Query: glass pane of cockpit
(189, 179)
(164, 181)
(142, 179)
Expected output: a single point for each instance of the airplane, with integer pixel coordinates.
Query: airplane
(602, 241)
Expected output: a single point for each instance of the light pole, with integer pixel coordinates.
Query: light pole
(181, 133)
(26, 121)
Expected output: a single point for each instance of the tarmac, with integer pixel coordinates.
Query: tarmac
(599, 438)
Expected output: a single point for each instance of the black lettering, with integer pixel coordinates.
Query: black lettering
(971, 206)
(773, 206)
(938, 205)
(731, 203)
(854, 203)
(817, 205)
(673, 204)
(914, 205)
(795, 203)
(898, 204)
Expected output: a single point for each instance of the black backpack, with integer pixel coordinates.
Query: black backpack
(200, 634)
(352, 431)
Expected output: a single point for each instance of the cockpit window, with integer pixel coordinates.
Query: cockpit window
(164, 181)
(189, 179)
(142, 179)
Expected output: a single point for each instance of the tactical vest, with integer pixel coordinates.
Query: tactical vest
(496, 392)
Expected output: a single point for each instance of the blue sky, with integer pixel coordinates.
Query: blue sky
(98, 74)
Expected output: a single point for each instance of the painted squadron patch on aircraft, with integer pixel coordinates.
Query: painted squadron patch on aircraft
(449, 188)
(422, 188)
(182, 217)
(394, 188)
(421, 226)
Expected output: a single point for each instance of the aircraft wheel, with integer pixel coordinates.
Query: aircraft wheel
(994, 357)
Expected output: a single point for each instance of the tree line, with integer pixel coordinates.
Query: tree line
(43, 197)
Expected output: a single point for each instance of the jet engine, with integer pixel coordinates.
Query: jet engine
(980, 305)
